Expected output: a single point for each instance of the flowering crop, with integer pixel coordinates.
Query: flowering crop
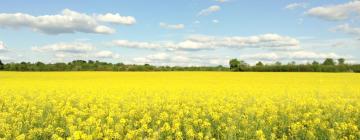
(179, 105)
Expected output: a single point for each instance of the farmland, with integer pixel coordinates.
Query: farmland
(179, 105)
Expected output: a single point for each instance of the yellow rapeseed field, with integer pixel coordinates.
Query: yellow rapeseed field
(179, 105)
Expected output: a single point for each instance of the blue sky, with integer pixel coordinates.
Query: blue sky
(184, 32)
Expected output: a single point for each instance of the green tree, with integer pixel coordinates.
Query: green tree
(40, 66)
(292, 63)
(329, 62)
(341, 61)
(234, 64)
(242, 66)
(315, 63)
(259, 64)
(278, 63)
(1, 65)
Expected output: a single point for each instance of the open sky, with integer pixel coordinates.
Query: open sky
(181, 32)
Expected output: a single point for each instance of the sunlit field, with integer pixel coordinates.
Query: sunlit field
(179, 105)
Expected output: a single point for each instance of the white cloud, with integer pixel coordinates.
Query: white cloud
(116, 19)
(106, 54)
(75, 47)
(346, 28)
(135, 44)
(336, 12)
(290, 56)
(6, 59)
(261, 56)
(171, 26)
(215, 21)
(338, 44)
(67, 22)
(159, 56)
(293, 6)
(2, 47)
(308, 55)
(74, 51)
(209, 10)
(202, 42)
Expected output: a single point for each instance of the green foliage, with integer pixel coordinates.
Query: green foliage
(238, 65)
(1, 65)
(341, 61)
(259, 64)
(81, 65)
(327, 66)
(315, 63)
(329, 62)
(235, 65)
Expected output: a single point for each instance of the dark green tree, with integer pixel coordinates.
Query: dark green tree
(329, 62)
(259, 64)
(242, 66)
(278, 63)
(315, 63)
(292, 63)
(234, 64)
(1, 65)
(341, 61)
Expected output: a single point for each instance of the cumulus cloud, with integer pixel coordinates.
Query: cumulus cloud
(6, 59)
(209, 10)
(215, 21)
(2, 47)
(293, 55)
(171, 26)
(202, 42)
(75, 47)
(346, 28)
(136, 44)
(336, 12)
(116, 19)
(75, 50)
(106, 54)
(293, 6)
(67, 21)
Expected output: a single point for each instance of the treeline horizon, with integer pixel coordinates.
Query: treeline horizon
(235, 65)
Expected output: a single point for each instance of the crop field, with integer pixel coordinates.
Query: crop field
(179, 105)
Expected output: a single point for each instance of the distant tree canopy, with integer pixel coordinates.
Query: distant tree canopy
(329, 62)
(1, 65)
(328, 65)
(259, 64)
(238, 65)
(341, 61)
(81, 65)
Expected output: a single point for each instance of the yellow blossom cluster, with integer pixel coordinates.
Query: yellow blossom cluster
(179, 105)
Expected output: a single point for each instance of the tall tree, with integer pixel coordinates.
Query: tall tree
(259, 64)
(1, 65)
(341, 61)
(242, 65)
(329, 61)
(234, 64)
(315, 63)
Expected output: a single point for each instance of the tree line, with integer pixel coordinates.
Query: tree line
(328, 65)
(81, 65)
